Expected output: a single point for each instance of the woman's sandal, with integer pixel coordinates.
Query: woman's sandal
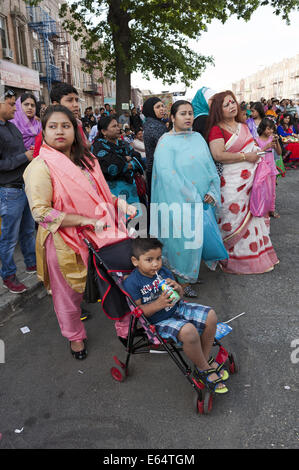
(80, 355)
(212, 385)
(223, 374)
(274, 214)
(189, 292)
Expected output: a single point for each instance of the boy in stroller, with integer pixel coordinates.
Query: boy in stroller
(192, 324)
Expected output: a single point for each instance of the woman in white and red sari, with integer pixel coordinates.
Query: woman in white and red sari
(245, 237)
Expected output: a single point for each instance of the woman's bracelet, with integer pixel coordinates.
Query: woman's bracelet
(243, 155)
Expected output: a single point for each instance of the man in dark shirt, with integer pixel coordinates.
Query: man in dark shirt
(17, 224)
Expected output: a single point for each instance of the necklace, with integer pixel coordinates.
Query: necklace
(233, 131)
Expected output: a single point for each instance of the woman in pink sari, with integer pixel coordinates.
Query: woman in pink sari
(66, 189)
(245, 237)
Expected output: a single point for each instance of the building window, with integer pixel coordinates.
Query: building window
(37, 60)
(21, 45)
(3, 33)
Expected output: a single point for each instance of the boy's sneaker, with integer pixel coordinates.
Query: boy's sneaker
(31, 269)
(13, 284)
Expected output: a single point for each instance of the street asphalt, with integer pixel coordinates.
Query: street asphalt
(49, 400)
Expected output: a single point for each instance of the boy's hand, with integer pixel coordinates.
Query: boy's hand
(163, 301)
(175, 285)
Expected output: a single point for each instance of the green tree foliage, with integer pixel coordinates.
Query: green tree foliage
(153, 36)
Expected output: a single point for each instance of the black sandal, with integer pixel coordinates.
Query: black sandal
(212, 385)
(80, 355)
(219, 369)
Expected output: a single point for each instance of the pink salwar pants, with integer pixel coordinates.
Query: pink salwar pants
(67, 302)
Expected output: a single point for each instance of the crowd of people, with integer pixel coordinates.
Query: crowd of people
(61, 171)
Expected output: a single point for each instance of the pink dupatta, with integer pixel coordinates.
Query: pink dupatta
(73, 194)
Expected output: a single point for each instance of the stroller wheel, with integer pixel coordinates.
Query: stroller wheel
(121, 366)
(117, 374)
(233, 363)
(208, 403)
(198, 402)
(118, 362)
(204, 403)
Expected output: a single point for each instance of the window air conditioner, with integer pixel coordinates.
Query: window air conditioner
(7, 53)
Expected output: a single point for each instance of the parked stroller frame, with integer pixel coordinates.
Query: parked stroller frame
(139, 342)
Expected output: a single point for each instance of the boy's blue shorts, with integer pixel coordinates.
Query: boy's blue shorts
(185, 313)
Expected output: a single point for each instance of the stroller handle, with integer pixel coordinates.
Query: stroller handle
(81, 229)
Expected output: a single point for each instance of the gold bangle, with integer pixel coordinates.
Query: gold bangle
(244, 156)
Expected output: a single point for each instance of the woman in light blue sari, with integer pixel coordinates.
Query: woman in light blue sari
(185, 189)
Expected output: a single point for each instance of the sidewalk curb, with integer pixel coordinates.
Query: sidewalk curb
(15, 301)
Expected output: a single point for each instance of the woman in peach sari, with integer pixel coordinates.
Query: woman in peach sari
(245, 237)
(66, 189)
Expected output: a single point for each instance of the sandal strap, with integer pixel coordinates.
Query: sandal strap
(219, 367)
(203, 375)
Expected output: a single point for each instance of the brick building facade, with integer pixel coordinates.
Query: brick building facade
(280, 80)
(35, 53)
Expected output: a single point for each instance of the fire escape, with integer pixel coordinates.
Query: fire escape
(90, 86)
(53, 65)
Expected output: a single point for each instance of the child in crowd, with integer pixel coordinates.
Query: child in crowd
(267, 140)
(192, 324)
(128, 137)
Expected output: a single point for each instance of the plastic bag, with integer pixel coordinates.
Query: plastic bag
(213, 248)
(262, 191)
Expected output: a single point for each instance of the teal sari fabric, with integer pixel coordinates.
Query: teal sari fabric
(199, 103)
(183, 173)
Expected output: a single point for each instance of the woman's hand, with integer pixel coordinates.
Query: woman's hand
(252, 157)
(128, 209)
(209, 200)
(98, 224)
(131, 211)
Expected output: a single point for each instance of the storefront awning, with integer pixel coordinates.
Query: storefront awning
(18, 76)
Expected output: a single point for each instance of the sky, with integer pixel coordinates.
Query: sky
(239, 50)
